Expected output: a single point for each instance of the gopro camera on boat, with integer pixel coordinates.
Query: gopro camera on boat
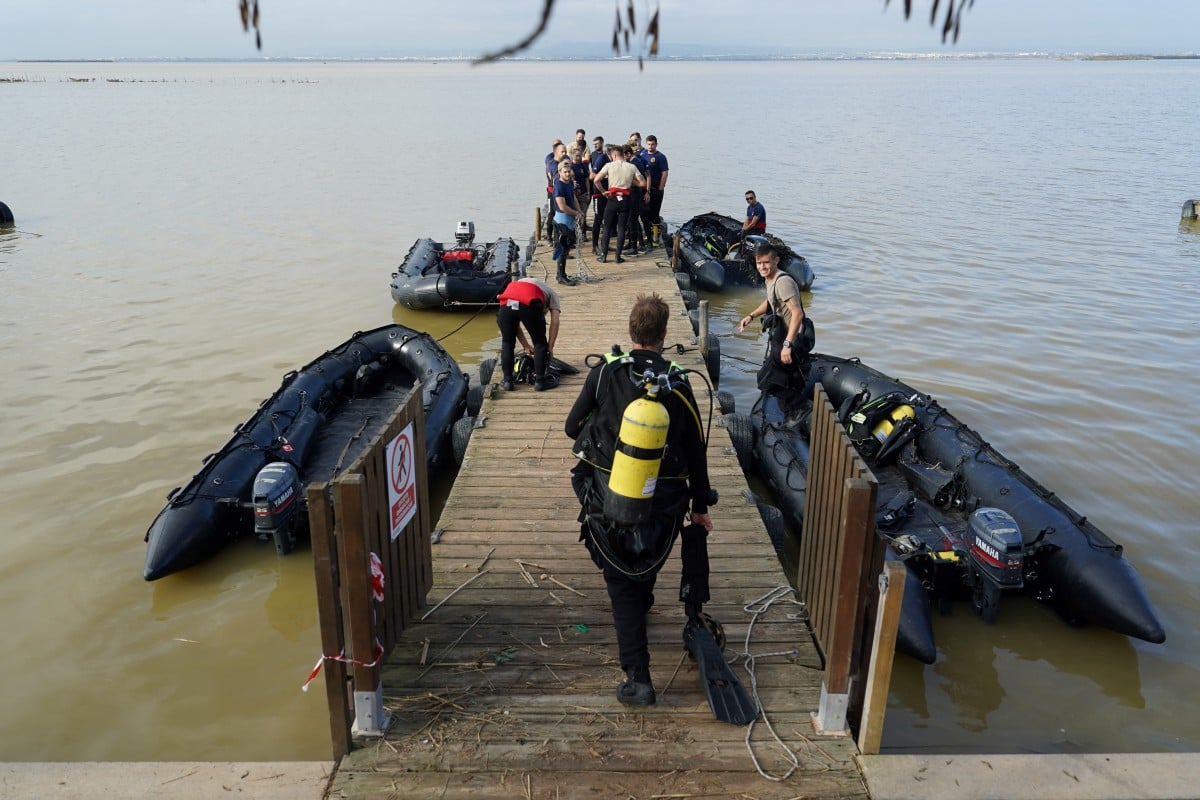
(464, 234)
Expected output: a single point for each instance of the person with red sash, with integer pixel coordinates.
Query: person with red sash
(622, 177)
(756, 215)
(525, 302)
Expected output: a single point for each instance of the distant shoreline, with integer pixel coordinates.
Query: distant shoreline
(880, 56)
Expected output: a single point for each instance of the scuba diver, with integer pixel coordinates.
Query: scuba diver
(525, 302)
(642, 461)
(791, 337)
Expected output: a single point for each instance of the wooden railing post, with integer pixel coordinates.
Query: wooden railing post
(370, 719)
(883, 652)
(858, 506)
(703, 332)
(329, 612)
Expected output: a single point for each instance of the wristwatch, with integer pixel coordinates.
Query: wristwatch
(788, 344)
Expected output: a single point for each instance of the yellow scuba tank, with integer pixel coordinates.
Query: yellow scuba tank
(637, 458)
(885, 426)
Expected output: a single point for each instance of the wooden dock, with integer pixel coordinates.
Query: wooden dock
(507, 688)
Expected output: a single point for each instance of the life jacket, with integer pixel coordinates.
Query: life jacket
(523, 292)
(458, 257)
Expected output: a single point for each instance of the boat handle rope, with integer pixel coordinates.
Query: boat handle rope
(756, 608)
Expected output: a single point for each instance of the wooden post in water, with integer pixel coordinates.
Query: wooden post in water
(329, 612)
(350, 499)
(883, 653)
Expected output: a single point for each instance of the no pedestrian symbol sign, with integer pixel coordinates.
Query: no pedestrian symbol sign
(402, 479)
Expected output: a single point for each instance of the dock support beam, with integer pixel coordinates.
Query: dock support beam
(883, 652)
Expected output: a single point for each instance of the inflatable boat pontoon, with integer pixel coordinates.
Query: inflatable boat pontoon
(318, 422)
(967, 522)
(434, 275)
(714, 252)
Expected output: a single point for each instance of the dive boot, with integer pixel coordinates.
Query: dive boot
(636, 690)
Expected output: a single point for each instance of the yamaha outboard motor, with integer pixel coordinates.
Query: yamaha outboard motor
(276, 499)
(996, 558)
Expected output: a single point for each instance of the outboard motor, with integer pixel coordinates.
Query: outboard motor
(750, 245)
(996, 558)
(276, 499)
(464, 234)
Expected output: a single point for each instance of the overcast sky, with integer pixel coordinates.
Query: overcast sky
(87, 29)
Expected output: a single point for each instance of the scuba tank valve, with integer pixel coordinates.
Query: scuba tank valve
(637, 456)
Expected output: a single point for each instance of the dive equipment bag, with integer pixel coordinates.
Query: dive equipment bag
(879, 427)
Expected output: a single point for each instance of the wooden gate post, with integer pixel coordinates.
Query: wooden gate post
(883, 653)
(370, 718)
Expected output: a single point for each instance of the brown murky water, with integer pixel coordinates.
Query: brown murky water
(1002, 234)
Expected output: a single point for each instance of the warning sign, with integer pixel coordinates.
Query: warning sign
(402, 479)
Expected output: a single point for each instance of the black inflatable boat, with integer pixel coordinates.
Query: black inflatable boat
(318, 422)
(434, 275)
(967, 522)
(715, 253)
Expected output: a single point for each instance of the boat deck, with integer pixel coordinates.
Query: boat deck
(506, 689)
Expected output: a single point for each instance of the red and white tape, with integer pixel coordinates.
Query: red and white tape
(377, 582)
(316, 670)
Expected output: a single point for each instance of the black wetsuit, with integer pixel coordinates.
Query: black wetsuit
(631, 557)
(787, 381)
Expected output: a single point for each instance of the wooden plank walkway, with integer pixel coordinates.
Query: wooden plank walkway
(507, 690)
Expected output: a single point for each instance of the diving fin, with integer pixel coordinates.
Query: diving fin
(726, 697)
(562, 366)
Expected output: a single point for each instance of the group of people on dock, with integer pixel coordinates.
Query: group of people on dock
(623, 182)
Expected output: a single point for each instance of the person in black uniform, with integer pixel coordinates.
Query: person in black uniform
(631, 556)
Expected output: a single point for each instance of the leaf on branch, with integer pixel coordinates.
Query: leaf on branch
(952, 21)
(249, 14)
